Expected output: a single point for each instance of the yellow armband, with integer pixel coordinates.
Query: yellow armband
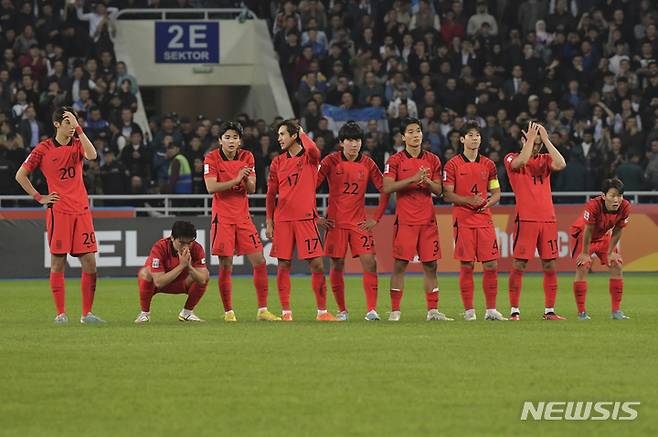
(493, 184)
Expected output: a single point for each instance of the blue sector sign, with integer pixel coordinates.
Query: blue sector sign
(186, 42)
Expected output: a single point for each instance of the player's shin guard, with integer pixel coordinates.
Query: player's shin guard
(146, 291)
(58, 290)
(319, 289)
(260, 283)
(550, 288)
(283, 285)
(88, 288)
(616, 286)
(338, 288)
(515, 282)
(194, 294)
(226, 288)
(370, 286)
(396, 297)
(432, 298)
(580, 293)
(490, 287)
(466, 286)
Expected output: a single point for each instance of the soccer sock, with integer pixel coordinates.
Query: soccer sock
(370, 286)
(338, 288)
(260, 283)
(58, 290)
(194, 294)
(616, 286)
(88, 286)
(550, 288)
(146, 292)
(396, 297)
(515, 282)
(466, 286)
(580, 293)
(432, 298)
(319, 284)
(490, 287)
(225, 289)
(283, 285)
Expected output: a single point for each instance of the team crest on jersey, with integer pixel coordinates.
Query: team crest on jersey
(155, 263)
(203, 261)
(206, 168)
(387, 168)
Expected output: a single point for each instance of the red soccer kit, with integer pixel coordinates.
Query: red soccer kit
(233, 231)
(294, 178)
(603, 221)
(536, 226)
(68, 221)
(163, 258)
(475, 236)
(348, 181)
(416, 230)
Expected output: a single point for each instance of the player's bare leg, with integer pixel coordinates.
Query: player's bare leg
(397, 288)
(580, 290)
(490, 286)
(226, 288)
(146, 292)
(432, 291)
(515, 284)
(257, 261)
(57, 286)
(320, 289)
(283, 286)
(370, 284)
(616, 290)
(550, 289)
(195, 290)
(337, 278)
(88, 285)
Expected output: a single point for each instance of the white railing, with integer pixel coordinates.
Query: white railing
(186, 14)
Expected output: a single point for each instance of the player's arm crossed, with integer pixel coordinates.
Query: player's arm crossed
(392, 186)
(213, 186)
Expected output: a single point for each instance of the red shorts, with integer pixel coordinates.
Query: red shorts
(535, 235)
(235, 239)
(303, 233)
(70, 233)
(475, 244)
(410, 240)
(599, 248)
(336, 242)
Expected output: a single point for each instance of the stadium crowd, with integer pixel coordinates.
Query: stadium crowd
(585, 68)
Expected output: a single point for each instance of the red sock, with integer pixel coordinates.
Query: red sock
(515, 282)
(550, 288)
(225, 289)
(194, 294)
(466, 286)
(370, 286)
(580, 293)
(260, 283)
(396, 297)
(58, 290)
(319, 284)
(432, 298)
(338, 288)
(146, 292)
(490, 287)
(283, 284)
(616, 291)
(88, 286)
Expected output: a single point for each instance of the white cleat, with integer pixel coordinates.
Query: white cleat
(143, 317)
(61, 319)
(342, 316)
(493, 315)
(436, 315)
(372, 316)
(394, 316)
(188, 316)
(470, 315)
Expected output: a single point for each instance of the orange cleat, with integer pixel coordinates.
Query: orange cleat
(286, 317)
(326, 317)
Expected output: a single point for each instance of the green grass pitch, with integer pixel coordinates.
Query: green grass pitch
(308, 378)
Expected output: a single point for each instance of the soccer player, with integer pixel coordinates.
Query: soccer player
(597, 232)
(68, 219)
(229, 175)
(175, 265)
(414, 174)
(348, 172)
(529, 173)
(468, 178)
(291, 219)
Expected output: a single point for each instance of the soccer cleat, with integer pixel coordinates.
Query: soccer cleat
(91, 319)
(229, 316)
(470, 315)
(436, 315)
(584, 316)
(188, 316)
(493, 315)
(372, 316)
(394, 316)
(326, 317)
(515, 316)
(267, 316)
(61, 319)
(553, 316)
(619, 315)
(286, 316)
(143, 317)
(342, 316)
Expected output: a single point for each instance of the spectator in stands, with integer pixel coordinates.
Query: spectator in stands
(651, 173)
(31, 129)
(122, 74)
(114, 175)
(179, 179)
(631, 173)
(480, 17)
(136, 156)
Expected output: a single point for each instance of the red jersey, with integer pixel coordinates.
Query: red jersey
(414, 203)
(603, 220)
(348, 181)
(470, 178)
(531, 184)
(230, 206)
(164, 258)
(293, 178)
(61, 164)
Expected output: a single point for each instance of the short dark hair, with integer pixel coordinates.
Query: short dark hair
(58, 115)
(469, 126)
(615, 183)
(230, 125)
(291, 125)
(183, 229)
(408, 121)
(350, 131)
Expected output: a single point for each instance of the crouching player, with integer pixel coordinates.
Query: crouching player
(597, 232)
(176, 265)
